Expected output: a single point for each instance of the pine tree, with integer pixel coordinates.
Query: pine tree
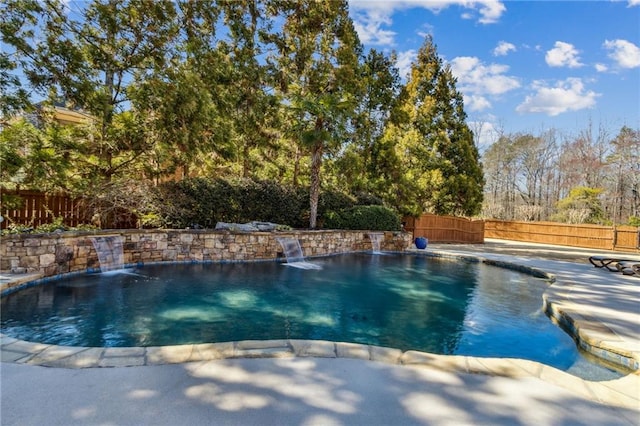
(253, 104)
(357, 166)
(87, 58)
(433, 164)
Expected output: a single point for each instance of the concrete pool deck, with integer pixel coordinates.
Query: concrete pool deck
(327, 383)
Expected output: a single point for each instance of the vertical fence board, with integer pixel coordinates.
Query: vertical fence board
(39, 209)
(586, 236)
(446, 229)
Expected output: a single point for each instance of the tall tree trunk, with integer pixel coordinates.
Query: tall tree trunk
(314, 191)
(246, 165)
(296, 167)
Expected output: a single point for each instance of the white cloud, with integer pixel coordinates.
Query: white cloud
(503, 48)
(404, 61)
(478, 82)
(567, 95)
(371, 17)
(476, 102)
(563, 55)
(491, 11)
(633, 3)
(601, 67)
(425, 30)
(369, 28)
(625, 53)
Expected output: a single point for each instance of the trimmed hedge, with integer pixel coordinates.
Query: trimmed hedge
(373, 218)
(202, 202)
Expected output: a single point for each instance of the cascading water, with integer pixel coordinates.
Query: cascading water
(110, 253)
(376, 238)
(293, 253)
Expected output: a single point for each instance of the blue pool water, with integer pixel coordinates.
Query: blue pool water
(401, 301)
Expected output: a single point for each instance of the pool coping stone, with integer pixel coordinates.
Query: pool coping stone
(622, 392)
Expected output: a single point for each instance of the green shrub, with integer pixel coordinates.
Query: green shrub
(367, 199)
(204, 202)
(373, 218)
(11, 201)
(56, 225)
(331, 201)
(269, 201)
(179, 204)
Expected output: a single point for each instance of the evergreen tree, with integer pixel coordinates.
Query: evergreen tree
(357, 166)
(318, 51)
(433, 164)
(87, 58)
(253, 104)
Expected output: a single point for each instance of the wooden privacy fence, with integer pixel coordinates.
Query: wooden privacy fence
(446, 229)
(621, 238)
(37, 209)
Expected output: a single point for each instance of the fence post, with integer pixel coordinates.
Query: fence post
(615, 237)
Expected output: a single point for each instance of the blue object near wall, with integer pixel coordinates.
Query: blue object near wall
(421, 243)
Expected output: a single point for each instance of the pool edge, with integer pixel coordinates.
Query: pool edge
(623, 390)
(619, 392)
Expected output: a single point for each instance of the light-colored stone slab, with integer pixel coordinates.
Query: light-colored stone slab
(453, 363)
(88, 358)
(319, 348)
(352, 350)
(53, 353)
(123, 352)
(417, 357)
(264, 353)
(224, 349)
(388, 355)
(205, 352)
(529, 368)
(122, 357)
(26, 347)
(169, 354)
(495, 366)
(17, 357)
(6, 340)
(262, 344)
(442, 362)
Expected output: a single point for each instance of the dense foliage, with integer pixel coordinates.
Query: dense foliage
(375, 218)
(201, 202)
(272, 91)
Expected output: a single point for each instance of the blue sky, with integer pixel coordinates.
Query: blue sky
(522, 66)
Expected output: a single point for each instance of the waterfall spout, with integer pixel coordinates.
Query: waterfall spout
(293, 253)
(110, 253)
(376, 238)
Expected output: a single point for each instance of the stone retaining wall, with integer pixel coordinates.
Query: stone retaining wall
(59, 253)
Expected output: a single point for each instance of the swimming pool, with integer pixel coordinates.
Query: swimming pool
(400, 301)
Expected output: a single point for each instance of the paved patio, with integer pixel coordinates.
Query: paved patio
(327, 383)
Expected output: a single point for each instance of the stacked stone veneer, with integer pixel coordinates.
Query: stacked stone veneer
(59, 253)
